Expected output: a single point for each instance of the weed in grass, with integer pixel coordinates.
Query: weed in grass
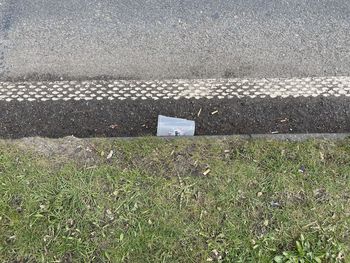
(322, 250)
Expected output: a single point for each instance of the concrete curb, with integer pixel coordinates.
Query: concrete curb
(274, 137)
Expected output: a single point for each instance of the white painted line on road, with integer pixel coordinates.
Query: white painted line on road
(174, 89)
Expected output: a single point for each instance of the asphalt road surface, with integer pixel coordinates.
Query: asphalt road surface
(109, 68)
(164, 39)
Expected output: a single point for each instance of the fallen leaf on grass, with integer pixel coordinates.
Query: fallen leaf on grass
(206, 172)
(266, 222)
(322, 156)
(109, 156)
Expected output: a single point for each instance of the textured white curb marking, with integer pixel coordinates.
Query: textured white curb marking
(174, 89)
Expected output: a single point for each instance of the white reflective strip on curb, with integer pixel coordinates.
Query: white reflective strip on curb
(175, 89)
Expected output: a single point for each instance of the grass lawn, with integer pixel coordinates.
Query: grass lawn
(154, 200)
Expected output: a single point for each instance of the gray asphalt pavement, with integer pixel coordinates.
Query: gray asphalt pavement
(155, 39)
(261, 55)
